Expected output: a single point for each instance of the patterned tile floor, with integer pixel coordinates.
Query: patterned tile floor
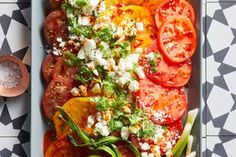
(219, 90)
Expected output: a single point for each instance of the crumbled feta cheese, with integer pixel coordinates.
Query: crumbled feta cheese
(56, 52)
(102, 128)
(134, 86)
(96, 88)
(124, 133)
(62, 44)
(89, 48)
(95, 72)
(151, 155)
(81, 54)
(139, 71)
(88, 10)
(90, 121)
(144, 154)
(73, 37)
(128, 63)
(83, 21)
(100, 60)
(59, 40)
(119, 32)
(168, 145)
(102, 7)
(139, 26)
(144, 146)
(139, 50)
(151, 56)
(99, 116)
(91, 65)
(125, 78)
(75, 91)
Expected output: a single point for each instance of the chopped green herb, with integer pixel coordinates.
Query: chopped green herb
(124, 50)
(153, 62)
(103, 104)
(105, 34)
(147, 130)
(108, 88)
(81, 3)
(85, 74)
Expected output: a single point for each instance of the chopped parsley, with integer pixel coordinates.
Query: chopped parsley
(81, 3)
(105, 34)
(153, 61)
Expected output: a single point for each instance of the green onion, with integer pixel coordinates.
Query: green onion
(104, 144)
(189, 145)
(181, 144)
(116, 150)
(103, 141)
(192, 154)
(69, 121)
(94, 156)
(81, 3)
(133, 148)
(108, 150)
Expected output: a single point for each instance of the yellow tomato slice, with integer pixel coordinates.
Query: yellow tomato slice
(79, 109)
(141, 14)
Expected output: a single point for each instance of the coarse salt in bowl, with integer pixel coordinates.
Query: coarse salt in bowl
(14, 77)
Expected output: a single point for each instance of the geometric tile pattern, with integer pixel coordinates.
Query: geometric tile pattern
(15, 112)
(220, 58)
(219, 88)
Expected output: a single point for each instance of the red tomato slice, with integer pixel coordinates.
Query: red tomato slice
(48, 66)
(169, 75)
(56, 94)
(55, 26)
(66, 71)
(162, 105)
(172, 133)
(62, 147)
(56, 4)
(177, 39)
(173, 7)
(49, 138)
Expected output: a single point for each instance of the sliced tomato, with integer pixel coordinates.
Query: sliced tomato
(124, 150)
(48, 66)
(166, 74)
(55, 26)
(49, 138)
(171, 8)
(79, 109)
(56, 4)
(171, 136)
(177, 39)
(62, 147)
(162, 105)
(65, 70)
(56, 94)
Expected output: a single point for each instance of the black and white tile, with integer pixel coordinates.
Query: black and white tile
(14, 112)
(221, 68)
(219, 113)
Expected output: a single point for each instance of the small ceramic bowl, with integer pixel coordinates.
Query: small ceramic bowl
(24, 82)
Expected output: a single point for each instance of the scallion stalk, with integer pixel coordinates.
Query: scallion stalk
(189, 145)
(69, 121)
(181, 144)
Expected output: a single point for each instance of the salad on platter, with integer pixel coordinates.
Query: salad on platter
(115, 76)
